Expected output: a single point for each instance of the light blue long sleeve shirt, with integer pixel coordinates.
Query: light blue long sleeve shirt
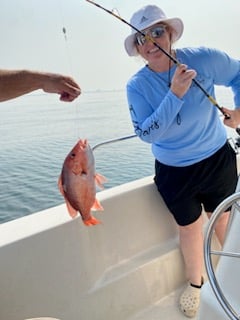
(183, 131)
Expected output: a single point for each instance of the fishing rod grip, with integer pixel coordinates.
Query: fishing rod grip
(226, 116)
(214, 102)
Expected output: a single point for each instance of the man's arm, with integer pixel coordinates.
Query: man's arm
(15, 83)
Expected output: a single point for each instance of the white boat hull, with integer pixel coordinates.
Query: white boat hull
(127, 268)
(54, 266)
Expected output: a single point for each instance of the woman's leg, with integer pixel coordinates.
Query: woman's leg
(191, 243)
(221, 226)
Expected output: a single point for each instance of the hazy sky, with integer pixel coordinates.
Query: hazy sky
(93, 53)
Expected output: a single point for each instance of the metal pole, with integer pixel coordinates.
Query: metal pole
(113, 141)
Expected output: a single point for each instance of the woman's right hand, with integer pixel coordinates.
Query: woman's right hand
(182, 80)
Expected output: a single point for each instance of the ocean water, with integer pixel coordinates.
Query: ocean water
(37, 132)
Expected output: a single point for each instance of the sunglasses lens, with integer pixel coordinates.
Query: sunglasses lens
(140, 39)
(155, 32)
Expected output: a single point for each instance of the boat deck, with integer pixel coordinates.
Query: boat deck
(166, 308)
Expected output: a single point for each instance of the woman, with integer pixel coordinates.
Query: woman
(195, 166)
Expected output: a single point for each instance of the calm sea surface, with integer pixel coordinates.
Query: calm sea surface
(37, 132)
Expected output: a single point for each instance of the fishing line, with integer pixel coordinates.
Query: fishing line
(70, 69)
(210, 98)
(65, 35)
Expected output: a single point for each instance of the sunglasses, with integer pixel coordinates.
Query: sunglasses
(152, 33)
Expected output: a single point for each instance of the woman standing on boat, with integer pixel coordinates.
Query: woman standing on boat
(195, 166)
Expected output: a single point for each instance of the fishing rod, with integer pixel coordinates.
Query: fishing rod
(112, 141)
(210, 98)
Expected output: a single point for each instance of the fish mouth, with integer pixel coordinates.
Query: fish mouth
(82, 143)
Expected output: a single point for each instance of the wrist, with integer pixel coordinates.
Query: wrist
(176, 93)
(34, 79)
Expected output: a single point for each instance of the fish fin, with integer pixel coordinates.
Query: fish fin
(100, 179)
(97, 205)
(72, 212)
(91, 221)
(60, 185)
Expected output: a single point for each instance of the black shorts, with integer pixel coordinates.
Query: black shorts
(207, 183)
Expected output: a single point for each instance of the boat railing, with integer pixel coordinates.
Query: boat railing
(232, 201)
(113, 141)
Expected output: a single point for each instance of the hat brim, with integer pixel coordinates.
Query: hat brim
(175, 23)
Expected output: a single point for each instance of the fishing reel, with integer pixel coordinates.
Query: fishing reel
(235, 143)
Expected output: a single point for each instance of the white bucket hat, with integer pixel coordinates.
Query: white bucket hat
(146, 17)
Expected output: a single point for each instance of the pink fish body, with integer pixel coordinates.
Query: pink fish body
(77, 183)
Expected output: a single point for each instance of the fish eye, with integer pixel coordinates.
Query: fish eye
(72, 155)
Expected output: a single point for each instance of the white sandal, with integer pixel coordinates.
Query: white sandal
(190, 300)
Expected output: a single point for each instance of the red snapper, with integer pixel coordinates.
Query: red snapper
(77, 183)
